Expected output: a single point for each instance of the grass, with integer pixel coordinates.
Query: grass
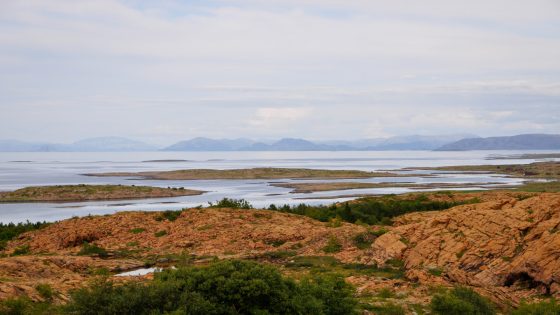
(384, 309)
(364, 240)
(169, 215)
(333, 245)
(90, 192)
(21, 250)
(328, 264)
(92, 250)
(160, 233)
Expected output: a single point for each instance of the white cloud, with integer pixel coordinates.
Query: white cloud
(325, 68)
(273, 116)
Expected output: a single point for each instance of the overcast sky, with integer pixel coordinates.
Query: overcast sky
(162, 71)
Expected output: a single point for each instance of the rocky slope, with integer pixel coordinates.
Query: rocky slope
(509, 246)
(506, 247)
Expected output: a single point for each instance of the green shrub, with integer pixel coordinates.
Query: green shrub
(231, 203)
(461, 301)
(45, 291)
(224, 287)
(160, 233)
(170, 215)
(137, 230)
(542, 308)
(21, 250)
(24, 306)
(385, 309)
(333, 245)
(385, 293)
(364, 240)
(9, 231)
(92, 250)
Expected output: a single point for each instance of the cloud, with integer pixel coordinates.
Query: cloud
(325, 68)
(274, 116)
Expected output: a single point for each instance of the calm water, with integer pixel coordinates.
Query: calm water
(19, 170)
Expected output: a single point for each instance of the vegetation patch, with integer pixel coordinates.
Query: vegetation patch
(364, 240)
(231, 203)
(225, 287)
(10, 231)
(544, 308)
(371, 210)
(462, 301)
(160, 233)
(333, 245)
(137, 230)
(92, 250)
(169, 215)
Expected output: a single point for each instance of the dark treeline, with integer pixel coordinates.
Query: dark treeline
(9, 231)
(370, 210)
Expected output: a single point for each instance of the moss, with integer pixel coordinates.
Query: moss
(333, 245)
(160, 233)
(92, 250)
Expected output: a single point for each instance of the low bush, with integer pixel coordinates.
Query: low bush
(170, 215)
(541, 308)
(160, 233)
(92, 250)
(45, 291)
(231, 203)
(461, 301)
(333, 245)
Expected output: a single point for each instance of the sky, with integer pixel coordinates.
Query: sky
(164, 71)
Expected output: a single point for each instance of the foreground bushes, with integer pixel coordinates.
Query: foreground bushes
(227, 287)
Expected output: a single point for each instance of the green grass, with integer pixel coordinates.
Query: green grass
(92, 250)
(333, 245)
(160, 233)
(328, 264)
(169, 215)
(137, 230)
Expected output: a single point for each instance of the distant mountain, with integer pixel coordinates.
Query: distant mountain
(103, 144)
(20, 146)
(519, 142)
(290, 144)
(108, 144)
(413, 142)
(206, 144)
(418, 142)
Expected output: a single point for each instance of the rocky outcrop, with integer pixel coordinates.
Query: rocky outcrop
(20, 275)
(508, 244)
(218, 232)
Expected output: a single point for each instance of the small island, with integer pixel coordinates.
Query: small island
(251, 173)
(304, 188)
(543, 170)
(67, 193)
